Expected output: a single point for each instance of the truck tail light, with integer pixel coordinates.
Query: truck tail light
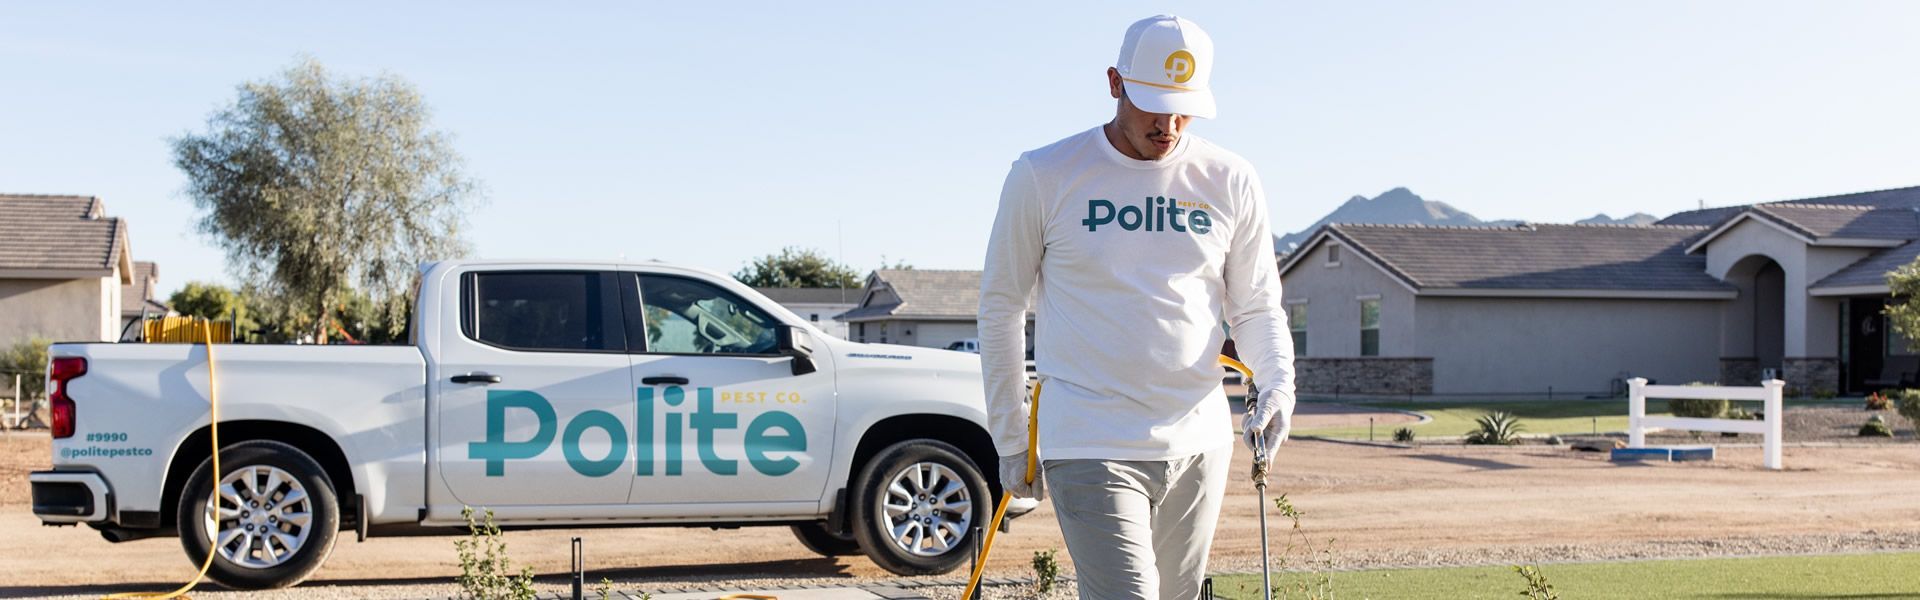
(61, 408)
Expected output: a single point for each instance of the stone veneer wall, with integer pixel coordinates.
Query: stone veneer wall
(1811, 376)
(1739, 370)
(1364, 375)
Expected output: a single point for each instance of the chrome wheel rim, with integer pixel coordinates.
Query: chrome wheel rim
(926, 510)
(258, 517)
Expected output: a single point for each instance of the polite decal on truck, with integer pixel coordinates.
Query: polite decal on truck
(765, 447)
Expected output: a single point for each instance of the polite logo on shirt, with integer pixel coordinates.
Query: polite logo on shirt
(1180, 66)
(1155, 213)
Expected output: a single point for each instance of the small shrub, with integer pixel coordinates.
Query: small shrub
(1496, 428)
(1875, 426)
(485, 570)
(1824, 393)
(1878, 401)
(1403, 435)
(1698, 409)
(1046, 569)
(1909, 405)
(1537, 586)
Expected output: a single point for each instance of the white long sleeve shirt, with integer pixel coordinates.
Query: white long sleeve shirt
(1138, 263)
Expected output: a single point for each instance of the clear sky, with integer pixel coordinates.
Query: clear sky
(709, 135)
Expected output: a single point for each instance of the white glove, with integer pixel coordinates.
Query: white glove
(1013, 478)
(1268, 423)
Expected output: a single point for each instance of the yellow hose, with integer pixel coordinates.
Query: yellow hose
(213, 400)
(1006, 498)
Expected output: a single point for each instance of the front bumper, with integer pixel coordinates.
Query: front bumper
(67, 497)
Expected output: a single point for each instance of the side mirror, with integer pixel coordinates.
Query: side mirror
(794, 342)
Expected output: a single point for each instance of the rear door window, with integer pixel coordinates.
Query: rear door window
(551, 311)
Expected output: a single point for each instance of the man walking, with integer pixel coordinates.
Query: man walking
(1143, 239)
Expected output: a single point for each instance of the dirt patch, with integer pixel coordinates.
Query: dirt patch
(22, 452)
(1320, 415)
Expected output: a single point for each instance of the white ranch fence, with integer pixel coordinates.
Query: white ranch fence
(1768, 392)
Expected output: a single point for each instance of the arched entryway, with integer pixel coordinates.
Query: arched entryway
(1756, 324)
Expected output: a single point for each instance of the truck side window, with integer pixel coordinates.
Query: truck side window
(546, 311)
(684, 316)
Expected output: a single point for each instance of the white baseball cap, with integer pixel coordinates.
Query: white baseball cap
(1165, 64)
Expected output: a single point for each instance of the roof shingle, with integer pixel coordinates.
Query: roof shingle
(58, 233)
(1612, 258)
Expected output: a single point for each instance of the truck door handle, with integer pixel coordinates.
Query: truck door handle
(477, 378)
(664, 380)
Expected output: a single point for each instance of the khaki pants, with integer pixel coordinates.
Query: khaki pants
(1139, 529)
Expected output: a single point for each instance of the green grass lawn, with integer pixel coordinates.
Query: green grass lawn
(1454, 418)
(1850, 576)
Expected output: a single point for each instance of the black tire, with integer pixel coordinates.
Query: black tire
(321, 529)
(822, 542)
(871, 493)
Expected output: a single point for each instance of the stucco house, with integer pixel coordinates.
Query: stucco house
(63, 265)
(919, 307)
(137, 296)
(1727, 294)
(817, 305)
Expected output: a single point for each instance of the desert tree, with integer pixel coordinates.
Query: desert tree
(317, 186)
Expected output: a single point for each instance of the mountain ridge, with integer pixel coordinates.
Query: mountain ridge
(1400, 206)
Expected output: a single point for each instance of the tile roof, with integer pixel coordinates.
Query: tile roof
(926, 293)
(812, 295)
(1605, 258)
(1897, 198)
(1845, 220)
(58, 233)
(137, 294)
(1872, 270)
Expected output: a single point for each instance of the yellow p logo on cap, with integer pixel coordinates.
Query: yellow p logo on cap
(1180, 66)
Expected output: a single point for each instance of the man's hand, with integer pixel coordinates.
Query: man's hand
(1013, 478)
(1268, 423)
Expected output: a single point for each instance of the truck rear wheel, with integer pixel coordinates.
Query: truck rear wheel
(822, 542)
(272, 521)
(915, 507)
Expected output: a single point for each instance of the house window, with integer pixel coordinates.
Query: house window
(1297, 321)
(1370, 327)
(863, 332)
(1333, 255)
(814, 317)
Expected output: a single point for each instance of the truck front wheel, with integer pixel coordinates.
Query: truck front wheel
(916, 505)
(269, 522)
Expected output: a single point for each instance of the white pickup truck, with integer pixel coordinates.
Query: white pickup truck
(557, 394)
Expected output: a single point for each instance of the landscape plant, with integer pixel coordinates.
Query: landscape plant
(1878, 401)
(486, 572)
(1698, 408)
(1046, 570)
(1537, 586)
(28, 359)
(1496, 428)
(1875, 426)
(1909, 405)
(1403, 435)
